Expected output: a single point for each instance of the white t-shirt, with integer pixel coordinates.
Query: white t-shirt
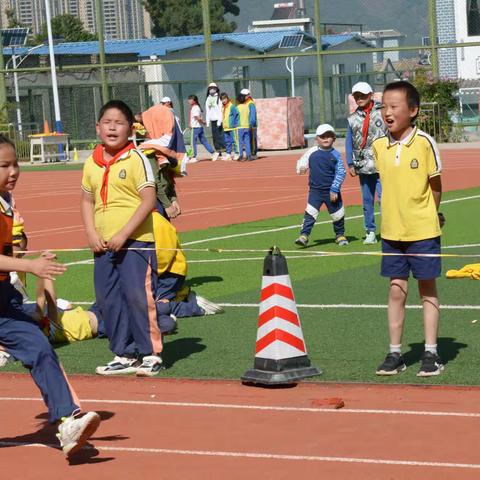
(195, 112)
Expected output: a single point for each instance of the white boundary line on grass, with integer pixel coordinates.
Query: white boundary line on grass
(269, 408)
(324, 222)
(259, 455)
(351, 305)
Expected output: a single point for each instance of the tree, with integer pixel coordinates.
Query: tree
(12, 21)
(67, 27)
(174, 18)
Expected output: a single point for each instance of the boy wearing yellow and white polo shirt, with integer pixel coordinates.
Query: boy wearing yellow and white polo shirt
(117, 200)
(409, 165)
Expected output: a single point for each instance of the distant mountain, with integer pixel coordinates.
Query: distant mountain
(407, 16)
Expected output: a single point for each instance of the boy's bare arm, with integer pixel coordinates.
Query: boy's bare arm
(148, 198)
(436, 186)
(40, 267)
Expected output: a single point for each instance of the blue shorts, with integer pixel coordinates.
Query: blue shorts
(422, 268)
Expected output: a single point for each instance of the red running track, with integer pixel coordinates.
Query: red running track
(214, 194)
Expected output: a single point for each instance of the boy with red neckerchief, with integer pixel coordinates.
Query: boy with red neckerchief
(118, 196)
(365, 125)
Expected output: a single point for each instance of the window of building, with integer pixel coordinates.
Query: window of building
(473, 18)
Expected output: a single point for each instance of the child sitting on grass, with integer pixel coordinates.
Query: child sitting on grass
(327, 174)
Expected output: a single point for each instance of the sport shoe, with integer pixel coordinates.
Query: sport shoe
(227, 157)
(4, 358)
(341, 240)
(192, 160)
(431, 365)
(302, 240)
(392, 365)
(151, 366)
(119, 366)
(370, 239)
(236, 157)
(215, 156)
(73, 432)
(208, 307)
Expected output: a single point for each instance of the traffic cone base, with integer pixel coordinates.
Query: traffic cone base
(278, 372)
(280, 351)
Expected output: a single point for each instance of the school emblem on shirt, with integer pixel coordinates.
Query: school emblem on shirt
(122, 174)
(414, 163)
(378, 123)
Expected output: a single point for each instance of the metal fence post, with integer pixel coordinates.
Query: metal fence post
(318, 38)
(3, 86)
(99, 20)
(207, 35)
(432, 25)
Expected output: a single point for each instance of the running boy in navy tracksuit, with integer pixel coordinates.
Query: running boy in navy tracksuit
(327, 174)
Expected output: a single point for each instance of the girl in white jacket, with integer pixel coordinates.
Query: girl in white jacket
(213, 116)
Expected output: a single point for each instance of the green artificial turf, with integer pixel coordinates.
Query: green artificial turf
(347, 343)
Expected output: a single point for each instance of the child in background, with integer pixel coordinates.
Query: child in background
(244, 125)
(253, 122)
(230, 125)
(327, 174)
(365, 125)
(117, 200)
(21, 338)
(196, 124)
(213, 116)
(409, 165)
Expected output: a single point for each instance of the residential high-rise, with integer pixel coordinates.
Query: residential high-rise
(123, 18)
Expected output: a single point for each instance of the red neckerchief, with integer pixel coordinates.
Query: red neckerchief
(366, 124)
(100, 161)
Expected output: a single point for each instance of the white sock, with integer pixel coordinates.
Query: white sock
(396, 348)
(431, 348)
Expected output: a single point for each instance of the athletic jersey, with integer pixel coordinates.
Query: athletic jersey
(230, 117)
(245, 117)
(327, 171)
(6, 224)
(409, 212)
(170, 257)
(128, 176)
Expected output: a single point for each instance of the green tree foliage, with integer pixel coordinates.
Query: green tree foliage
(12, 21)
(67, 27)
(174, 18)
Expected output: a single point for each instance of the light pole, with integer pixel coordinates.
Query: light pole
(15, 65)
(56, 103)
(289, 64)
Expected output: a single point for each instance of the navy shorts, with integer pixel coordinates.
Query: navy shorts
(422, 268)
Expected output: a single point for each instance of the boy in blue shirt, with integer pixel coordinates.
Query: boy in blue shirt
(327, 174)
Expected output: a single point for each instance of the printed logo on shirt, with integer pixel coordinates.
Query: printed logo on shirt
(378, 123)
(414, 163)
(122, 174)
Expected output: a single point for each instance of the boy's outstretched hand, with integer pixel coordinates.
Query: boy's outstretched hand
(46, 267)
(333, 197)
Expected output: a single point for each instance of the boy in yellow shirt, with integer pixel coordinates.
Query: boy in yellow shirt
(409, 165)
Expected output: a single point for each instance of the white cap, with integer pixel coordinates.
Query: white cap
(245, 91)
(166, 100)
(324, 128)
(213, 84)
(362, 87)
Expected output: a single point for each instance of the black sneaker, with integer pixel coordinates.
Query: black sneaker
(392, 365)
(431, 365)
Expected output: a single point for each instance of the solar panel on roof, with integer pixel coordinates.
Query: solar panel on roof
(291, 41)
(14, 37)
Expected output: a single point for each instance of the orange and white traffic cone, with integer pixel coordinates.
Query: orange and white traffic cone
(280, 351)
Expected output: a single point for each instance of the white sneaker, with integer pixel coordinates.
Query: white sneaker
(370, 239)
(73, 432)
(208, 307)
(4, 358)
(236, 157)
(18, 284)
(226, 157)
(192, 160)
(151, 366)
(119, 366)
(215, 156)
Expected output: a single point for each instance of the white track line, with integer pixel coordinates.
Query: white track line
(290, 227)
(269, 408)
(351, 305)
(258, 455)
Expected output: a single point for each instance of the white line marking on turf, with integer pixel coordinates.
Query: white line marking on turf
(259, 232)
(258, 455)
(270, 408)
(351, 305)
(469, 245)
